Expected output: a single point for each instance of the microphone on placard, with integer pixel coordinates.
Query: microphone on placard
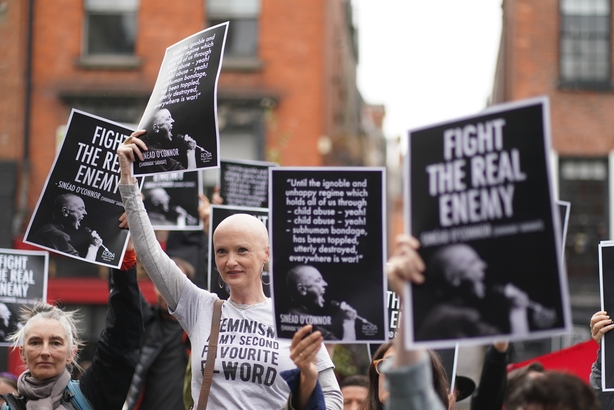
(542, 316)
(88, 230)
(189, 218)
(182, 137)
(336, 304)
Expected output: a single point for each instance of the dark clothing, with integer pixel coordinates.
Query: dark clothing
(173, 153)
(490, 392)
(453, 316)
(158, 378)
(53, 235)
(105, 382)
(332, 331)
(454, 320)
(193, 247)
(605, 398)
(316, 400)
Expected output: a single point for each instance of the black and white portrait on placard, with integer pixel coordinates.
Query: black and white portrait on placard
(65, 231)
(307, 290)
(185, 153)
(463, 305)
(171, 200)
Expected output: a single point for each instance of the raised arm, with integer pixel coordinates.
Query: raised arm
(164, 273)
(311, 389)
(490, 391)
(409, 381)
(106, 382)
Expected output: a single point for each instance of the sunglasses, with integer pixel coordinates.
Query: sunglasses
(379, 362)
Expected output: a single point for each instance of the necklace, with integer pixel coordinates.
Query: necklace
(243, 307)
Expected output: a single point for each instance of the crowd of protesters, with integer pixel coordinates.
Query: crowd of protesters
(144, 351)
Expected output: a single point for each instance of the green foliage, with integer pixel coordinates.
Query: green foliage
(344, 361)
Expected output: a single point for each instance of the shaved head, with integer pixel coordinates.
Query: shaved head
(249, 226)
(241, 246)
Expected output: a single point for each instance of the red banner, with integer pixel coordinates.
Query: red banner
(576, 360)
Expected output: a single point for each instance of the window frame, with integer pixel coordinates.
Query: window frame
(575, 82)
(238, 62)
(108, 60)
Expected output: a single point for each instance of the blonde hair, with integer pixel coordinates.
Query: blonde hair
(28, 316)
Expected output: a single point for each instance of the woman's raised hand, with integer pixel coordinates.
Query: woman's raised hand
(600, 324)
(127, 152)
(405, 264)
(303, 351)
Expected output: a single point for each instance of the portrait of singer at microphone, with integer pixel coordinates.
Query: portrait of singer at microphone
(162, 212)
(180, 152)
(65, 231)
(461, 305)
(307, 290)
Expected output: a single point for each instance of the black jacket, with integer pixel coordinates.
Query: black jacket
(106, 381)
(490, 392)
(162, 341)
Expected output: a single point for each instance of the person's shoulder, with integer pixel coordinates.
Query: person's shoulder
(76, 397)
(193, 297)
(13, 402)
(51, 228)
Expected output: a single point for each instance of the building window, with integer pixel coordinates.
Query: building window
(242, 38)
(584, 183)
(110, 27)
(585, 42)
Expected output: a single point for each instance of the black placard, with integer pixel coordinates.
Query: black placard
(81, 198)
(606, 283)
(181, 115)
(23, 281)
(480, 200)
(245, 183)
(328, 251)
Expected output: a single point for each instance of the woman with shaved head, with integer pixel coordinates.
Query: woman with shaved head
(250, 360)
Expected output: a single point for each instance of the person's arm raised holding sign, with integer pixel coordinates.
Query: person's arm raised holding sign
(249, 358)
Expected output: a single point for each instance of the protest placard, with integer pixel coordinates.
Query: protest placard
(218, 214)
(181, 115)
(606, 287)
(564, 210)
(393, 304)
(171, 200)
(245, 183)
(479, 197)
(328, 242)
(78, 211)
(23, 281)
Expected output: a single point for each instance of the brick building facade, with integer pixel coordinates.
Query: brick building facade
(287, 91)
(563, 49)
